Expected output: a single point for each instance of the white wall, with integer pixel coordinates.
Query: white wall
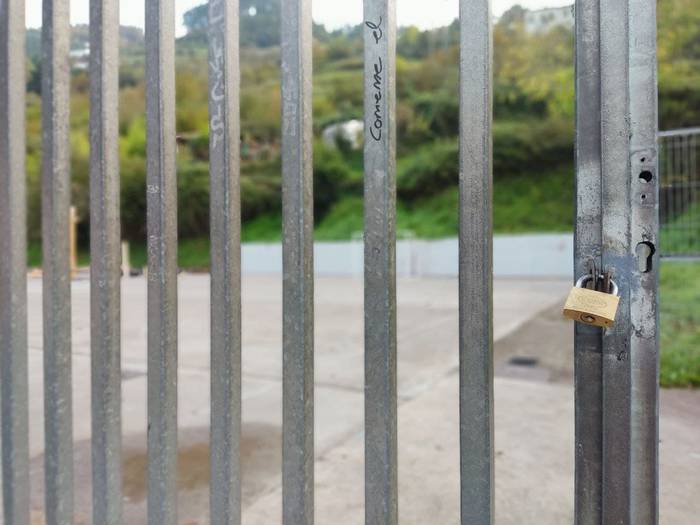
(545, 255)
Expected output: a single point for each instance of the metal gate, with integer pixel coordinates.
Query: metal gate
(616, 156)
(679, 192)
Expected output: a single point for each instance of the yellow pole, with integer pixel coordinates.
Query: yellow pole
(126, 263)
(73, 240)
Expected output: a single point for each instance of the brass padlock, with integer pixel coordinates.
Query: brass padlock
(590, 306)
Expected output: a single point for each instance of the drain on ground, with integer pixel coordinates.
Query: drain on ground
(523, 361)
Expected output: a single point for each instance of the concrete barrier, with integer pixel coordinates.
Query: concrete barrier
(540, 255)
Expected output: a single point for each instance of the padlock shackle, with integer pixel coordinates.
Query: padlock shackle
(584, 280)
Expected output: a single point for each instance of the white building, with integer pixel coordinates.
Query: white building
(542, 20)
(80, 58)
(350, 131)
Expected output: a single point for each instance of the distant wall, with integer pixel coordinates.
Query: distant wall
(544, 255)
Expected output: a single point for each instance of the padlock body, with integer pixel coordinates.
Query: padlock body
(591, 307)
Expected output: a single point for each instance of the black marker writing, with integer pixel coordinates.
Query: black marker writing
(375, 129)
(376, 30)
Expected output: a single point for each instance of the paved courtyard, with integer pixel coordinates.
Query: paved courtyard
(534, 405)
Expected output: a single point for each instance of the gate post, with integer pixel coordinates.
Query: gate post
(617, 227)
(644, 314)
(14, 390)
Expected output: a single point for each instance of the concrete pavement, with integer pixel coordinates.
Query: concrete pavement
(534, 407)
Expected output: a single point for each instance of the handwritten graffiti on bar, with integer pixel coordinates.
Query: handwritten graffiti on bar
(217, 27)
(377, 125)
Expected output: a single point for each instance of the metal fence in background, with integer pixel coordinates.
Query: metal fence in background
(616, 372)
(679, 193)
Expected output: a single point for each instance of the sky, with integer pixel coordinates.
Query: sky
(331, 13)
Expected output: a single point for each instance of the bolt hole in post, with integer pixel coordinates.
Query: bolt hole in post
(646, 176)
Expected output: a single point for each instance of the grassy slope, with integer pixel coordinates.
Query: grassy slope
(682, 235)
(680, 324)
(542, 203)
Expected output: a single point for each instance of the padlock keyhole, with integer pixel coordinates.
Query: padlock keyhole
(645, 256)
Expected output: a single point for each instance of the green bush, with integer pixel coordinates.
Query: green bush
(428, 171)
(440, 110)
(519, 147)
(333, 179)
(531, 146)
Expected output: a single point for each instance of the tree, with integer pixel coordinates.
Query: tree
(196, 20)
(260, 22)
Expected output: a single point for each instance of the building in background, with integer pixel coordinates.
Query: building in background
(542, 20)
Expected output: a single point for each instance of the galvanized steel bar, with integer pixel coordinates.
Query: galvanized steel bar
(105, 262)
(644, 315)
(381, 480)
(13, 266)
(298, 285)
(616, 255)
(162, 262)
(56, 196)
(588, 241)
(225, 212)
(476, 265)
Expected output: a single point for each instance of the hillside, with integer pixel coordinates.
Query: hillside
(533, 126)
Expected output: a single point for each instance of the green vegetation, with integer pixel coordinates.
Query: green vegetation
(682, 234)
(533, 126)
(680, 324)
(532, 138)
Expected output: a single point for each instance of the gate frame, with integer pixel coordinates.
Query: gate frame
(616, 372)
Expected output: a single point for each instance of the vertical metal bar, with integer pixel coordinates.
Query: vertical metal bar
(617, 255)
(13, 266)
(644, 315)
(105, 262)
(665, 182)
(588, 240)
(476, 265)
(58, 414)
(688, 190)
(670, 198)
(298, 286)
(676, 195)
(381, 491)
(225, 212)
(694, 244)
(162, 262)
